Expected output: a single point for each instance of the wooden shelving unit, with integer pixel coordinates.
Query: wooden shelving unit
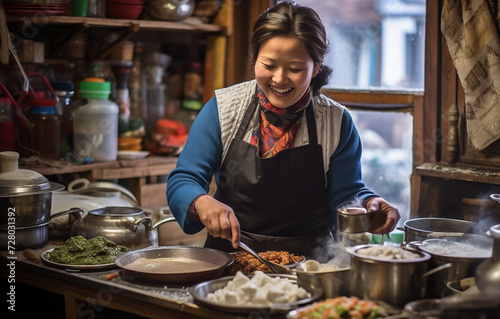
(188, 25)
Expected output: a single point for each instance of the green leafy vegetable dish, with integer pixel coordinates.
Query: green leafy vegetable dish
(77, 250)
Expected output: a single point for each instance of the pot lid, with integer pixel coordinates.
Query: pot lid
(21, 182)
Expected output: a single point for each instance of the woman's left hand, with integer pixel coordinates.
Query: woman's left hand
(386, 216)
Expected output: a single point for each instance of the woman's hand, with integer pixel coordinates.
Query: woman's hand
(218, 218)
(386, 215)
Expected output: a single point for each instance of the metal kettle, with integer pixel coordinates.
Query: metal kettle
(126, 226)
(488, 272)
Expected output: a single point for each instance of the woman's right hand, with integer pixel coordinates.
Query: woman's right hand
(218, 218)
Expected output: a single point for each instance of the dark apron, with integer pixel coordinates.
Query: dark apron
(281, 201)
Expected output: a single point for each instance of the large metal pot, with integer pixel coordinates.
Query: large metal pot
(126, 226)
(456, 257)
(25, 195)
(31, 236)
(418, 229)
(394, 281)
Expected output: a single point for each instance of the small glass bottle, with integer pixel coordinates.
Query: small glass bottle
(65, 92)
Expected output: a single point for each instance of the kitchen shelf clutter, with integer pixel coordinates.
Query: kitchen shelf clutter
(147, 62)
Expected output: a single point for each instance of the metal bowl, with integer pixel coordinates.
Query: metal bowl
(201, 290)
(195, 254)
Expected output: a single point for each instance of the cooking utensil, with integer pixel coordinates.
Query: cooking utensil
(24, 192)
(201, 290)
(126, 226)
(418, 229)
(275, 268)
(395, 281)
(190, 254)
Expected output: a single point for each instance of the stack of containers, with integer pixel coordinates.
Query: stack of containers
(95, 122)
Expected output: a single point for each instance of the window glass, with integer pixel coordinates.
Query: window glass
(374, 44)
(386, 161)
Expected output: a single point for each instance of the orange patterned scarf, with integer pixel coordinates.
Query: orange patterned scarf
(275, 128)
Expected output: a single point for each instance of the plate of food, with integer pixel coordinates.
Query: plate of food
(248, 264)
(261, 293)
(78, 253)
(340, 307)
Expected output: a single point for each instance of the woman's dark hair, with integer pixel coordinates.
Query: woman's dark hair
(289, 18)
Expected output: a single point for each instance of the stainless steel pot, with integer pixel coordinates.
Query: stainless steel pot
(396, 282)
(25, 195)
(31, 236)
(334, 283)
(126, 226)
(457, 257)
(418, 229)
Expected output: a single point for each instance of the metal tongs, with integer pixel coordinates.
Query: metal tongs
(275, 268)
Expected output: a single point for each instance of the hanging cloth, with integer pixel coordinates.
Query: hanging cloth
(471, 29)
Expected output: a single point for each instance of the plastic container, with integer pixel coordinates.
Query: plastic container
(95, 122)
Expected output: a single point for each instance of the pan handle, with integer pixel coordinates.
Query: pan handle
(66, 212)
(435, 270)
(163, 221)
(495, 197)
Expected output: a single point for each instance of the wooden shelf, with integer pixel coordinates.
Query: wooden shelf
(461, 173)
(151, 25)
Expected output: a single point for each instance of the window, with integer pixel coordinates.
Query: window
(377, 52)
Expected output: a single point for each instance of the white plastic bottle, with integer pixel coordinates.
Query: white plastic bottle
(95, 123)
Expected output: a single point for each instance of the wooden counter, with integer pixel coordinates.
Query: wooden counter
(86, 293)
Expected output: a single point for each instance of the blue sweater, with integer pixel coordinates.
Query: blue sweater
(200, 160)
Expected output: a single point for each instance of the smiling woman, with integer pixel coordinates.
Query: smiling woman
(284, 155)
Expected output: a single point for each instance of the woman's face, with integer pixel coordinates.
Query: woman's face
(284, 70)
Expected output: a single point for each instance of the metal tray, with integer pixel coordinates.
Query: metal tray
(201, 290)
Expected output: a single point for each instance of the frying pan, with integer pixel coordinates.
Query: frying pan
(195, 254)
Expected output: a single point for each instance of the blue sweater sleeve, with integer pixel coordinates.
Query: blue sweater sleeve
(344, 177)
(198, 162)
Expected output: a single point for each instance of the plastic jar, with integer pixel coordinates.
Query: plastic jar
(46, 132)
(95, 122)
